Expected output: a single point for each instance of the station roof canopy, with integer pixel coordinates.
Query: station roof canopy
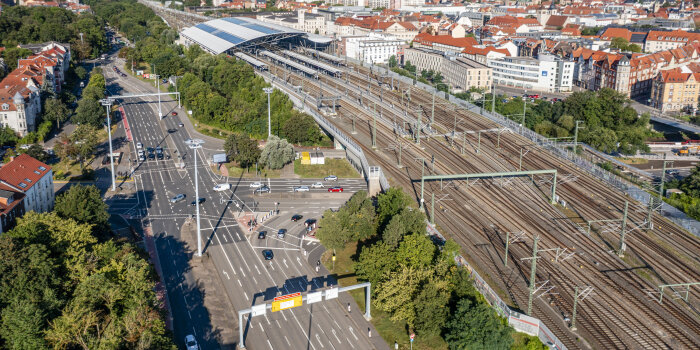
(220, 35)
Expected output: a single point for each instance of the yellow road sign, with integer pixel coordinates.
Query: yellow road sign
(286, 302)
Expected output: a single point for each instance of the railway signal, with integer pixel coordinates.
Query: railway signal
(579, 297)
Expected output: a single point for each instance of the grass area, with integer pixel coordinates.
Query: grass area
(236, 172)
(66, 169)
(630, 160)
(389, 330)
(338, 167)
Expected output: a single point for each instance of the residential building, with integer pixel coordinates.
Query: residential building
(32, 178)
(462, 74)
(372, 48)
(666, 40)
(348, 26)
(459, 72)
(675, 90)
(11, 207)
(545, 73)
(444, 43)
(20, 103)
(307, 22)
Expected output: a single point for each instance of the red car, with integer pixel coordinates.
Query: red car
(335, 189)
(173, 114)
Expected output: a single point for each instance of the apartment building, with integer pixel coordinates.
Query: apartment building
(667, 40)
(372, 48)
(459, 72)
(11, 207)
(32, 178)
(545, 73)
(676, 89)
(307, 22)
(444, 43)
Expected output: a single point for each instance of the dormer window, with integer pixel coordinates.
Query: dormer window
(5, 107)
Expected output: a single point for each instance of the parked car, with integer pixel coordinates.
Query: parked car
(335, 189)
(159, 156)
(261, 234)
(201, 200)
(267, 254)
(256, 184)
(296, 217)
(222, 187)
(178, 198)
(139, 145)
(317, 185)
(301, 189)
(330, 178)
(263, 189)
(150, 149)
(281, 233)
(191, 343)
(151, 156)
(159, 150)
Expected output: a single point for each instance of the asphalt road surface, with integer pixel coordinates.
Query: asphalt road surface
(236, 252)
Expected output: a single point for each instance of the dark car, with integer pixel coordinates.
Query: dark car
(309, 222)
(150, 149)
(261, 234)
(159, 156)
(335, 189)
(170, 131)
(296, 217)
(263, 189)
(268, 254)
(281, 233)
(201, 200)
(123, 75)
(151, 156)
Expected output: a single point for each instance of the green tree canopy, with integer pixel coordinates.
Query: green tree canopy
(277, 153)
(84, 204)
(242, 149)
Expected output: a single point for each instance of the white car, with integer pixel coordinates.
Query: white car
(330, 178)
(301, 189)
(191, 343)
(256, 184)
(222, 187)
(139, 145)
(317, 185)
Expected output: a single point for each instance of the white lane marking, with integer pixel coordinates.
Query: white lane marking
(336, 336)
(239, 283)
(349, 342)
(226, 273)
(288, 343)
(285, 263)
(299, 261)
(256, 268)
(353, 333)
(319, 340)
(268, 343)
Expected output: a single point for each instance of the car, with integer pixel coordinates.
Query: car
(159, 150)
(178, 198)
(261, 234)
(191, 343)
(139, 145)
(296, 217)
(123, 75)
(181, 125)
(317, 185)
(267, 254)
(256, 184)
(263, 189)
(170, 131)
(142, 157)
(222, 187)
(201, 200)
(330, 178)
(174, 114)
(309, 222)
(151, 156)
(335, 189)
(281, 233)
(159, 156)
(301, 189)
(150, 149)
(165, 81)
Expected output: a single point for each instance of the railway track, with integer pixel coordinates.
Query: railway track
(607, 321)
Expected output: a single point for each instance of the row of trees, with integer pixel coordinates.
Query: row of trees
(245, 151)
(412, 279)
(610, 124)
(221, 91)
(23, 25)
(65, 285)
(689, 200)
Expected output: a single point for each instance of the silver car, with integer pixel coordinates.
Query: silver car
(301, 189)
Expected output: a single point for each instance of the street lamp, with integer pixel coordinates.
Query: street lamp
(268, 91)
(107, 102)
(196, 144)
(160, 112)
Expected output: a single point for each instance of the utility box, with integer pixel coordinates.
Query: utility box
(305, 158)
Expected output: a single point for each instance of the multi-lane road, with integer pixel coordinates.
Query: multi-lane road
(235, 251)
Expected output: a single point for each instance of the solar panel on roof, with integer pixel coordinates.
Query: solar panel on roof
(228, 37)
(206, 28)
(262, 29)
(235, 20)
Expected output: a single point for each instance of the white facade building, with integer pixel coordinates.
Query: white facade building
(372, 48)
(33, 178)
(546, 73)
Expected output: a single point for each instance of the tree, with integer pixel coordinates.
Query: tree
(476, 326)
(80, 72)
(416, 251)
(37, 152)
(619, 43)
(8, 137)
(11, 55)
(391, 203)
(84, 204)
(89, 112)
(432, 309)
(277, 153)
(301, 129)
(56, 111)
(331, 231)
(242, 149)
(397, 294)
(375, 262)
(406, 222)
(22, 325)
(83, 142)
(393, 62)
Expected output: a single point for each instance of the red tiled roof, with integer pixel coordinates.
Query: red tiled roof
(557, 21)
(674, 36)
(17, 198)
(611, 33)
(675, 76)
(21, 169)
(428, 40)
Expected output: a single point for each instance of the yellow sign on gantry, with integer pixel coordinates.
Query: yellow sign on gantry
(286, 302)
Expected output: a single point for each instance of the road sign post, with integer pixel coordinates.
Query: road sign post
(413, 336)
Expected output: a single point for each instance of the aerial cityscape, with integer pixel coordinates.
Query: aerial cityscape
(349, 174)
